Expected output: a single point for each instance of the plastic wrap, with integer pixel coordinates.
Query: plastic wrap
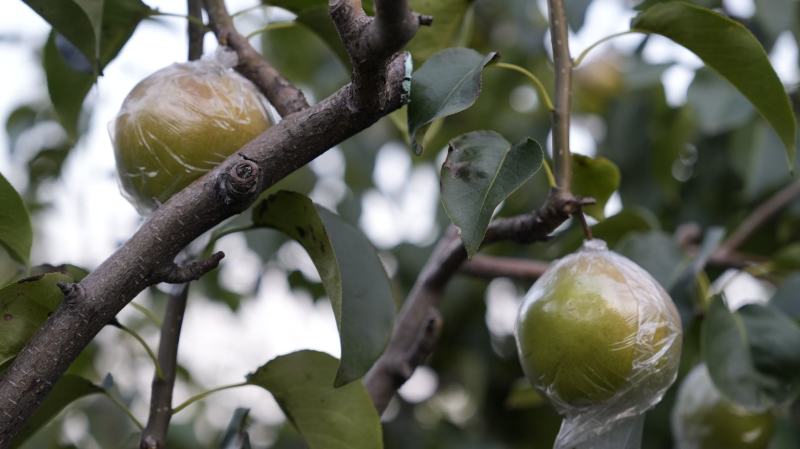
(703, 419)
(601, 339)
(180, 122)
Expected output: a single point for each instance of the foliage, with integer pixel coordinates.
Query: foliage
(708, 161)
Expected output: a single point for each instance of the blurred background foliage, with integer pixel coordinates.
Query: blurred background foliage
(706, 161)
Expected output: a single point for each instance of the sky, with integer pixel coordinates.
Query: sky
(219, 346)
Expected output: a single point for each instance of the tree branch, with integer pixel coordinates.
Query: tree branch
(417, 326)
(154, 435)
(194, 31)
(758, 217)
(286, 98)
(492, 267)
(559, 37)
(229, 188)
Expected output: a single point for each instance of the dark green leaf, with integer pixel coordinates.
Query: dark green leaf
(21, 119)
(327, 417)
(68, 389)
(787, 258)
(448, 17)
(24, 306)
(787, 297)
(448, 83)
(656, 252)
(69, 18)
(351, 272)
(318, 20)
(481, 170)
(576, 13)
(683, 287)
(16, 234)
(236, 435)
(753, 354)
(729, 48)
(597, 178)
(66, 83)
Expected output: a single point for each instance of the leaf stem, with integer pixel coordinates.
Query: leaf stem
(270, 27)
(551, 180)
(585, 52)
(205, 394)
(146, 312)
(543, 95)
(215, 236)
(124, 409)
(147, 349)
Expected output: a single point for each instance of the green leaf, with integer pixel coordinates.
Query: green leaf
(24, 306)
(729, 48)
(67, 83)
(327, 417)
(16, 234)
(787, 297)
(753, 354)
(351, 272)
(318, 20)
(481, 170)
(236, 435)
(597, 178)
(448, 18)
(448, 83)
(68, 389)
(75, 20)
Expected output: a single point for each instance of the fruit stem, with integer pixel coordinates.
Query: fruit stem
(587, 230)
(559, 37)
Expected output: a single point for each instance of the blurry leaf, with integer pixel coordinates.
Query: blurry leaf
(753, 354)
(66, 83)
(236, 436)
(656, 252)
(353, 275)
(523, 396)
(616, 227)
(47, 164)
(597, 178)
(776, 16)
(327, 417)
(318, 20)
(16, 234)
(24, 306)
(20, 119)
(448, 83)
(74, 272)
(67, 389)
(787, 297)
(481, 170)
(729, 48)
(448, 17)
(576, 13)
(683, 286)
(787, 259)
(719, 107)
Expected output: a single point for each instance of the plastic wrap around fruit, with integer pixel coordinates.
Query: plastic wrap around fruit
(180, 122)
(703, 419)
(601, 339)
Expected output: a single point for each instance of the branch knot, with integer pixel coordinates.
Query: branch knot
(240, 181)
(191, 271)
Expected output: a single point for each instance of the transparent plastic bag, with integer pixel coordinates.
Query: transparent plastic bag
(601, 339)
(703, 419)
(180, 122)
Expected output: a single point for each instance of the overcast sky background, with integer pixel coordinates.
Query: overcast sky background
(89, 218)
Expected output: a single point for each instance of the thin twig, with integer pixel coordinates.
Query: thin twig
(154, 435)
(562, 61)
(759, 216)
(285, 97)
(194, 31)
(493, 267)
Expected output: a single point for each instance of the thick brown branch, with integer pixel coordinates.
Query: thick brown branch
(228, 189)
(411, 341)
(154, 435)
(492, 267)
(194, 31)
(759, 216)
(286, 98)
